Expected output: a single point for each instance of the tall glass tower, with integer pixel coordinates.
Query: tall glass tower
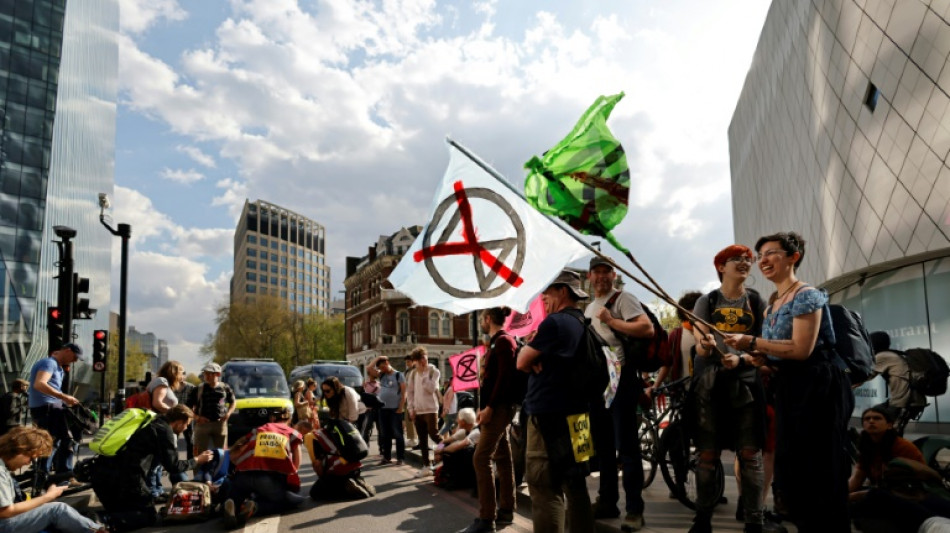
(58, 72)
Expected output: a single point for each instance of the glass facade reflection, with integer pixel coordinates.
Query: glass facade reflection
(58, 70)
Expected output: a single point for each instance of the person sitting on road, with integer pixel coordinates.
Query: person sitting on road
(266, 461)
(337, 479)
(18, 447)
(120, 481)
(877, 445)
(456, 451)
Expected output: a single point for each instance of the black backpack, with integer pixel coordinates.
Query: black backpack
(852, 344)
(347, 439)
(519, 380)
(928, 371)
(590, 363)
(646, 355)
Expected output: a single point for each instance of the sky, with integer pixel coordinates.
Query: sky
(339, 109)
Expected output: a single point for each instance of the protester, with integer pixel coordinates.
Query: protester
(13, 406)
(342, 401)
(410, 428)
(728, 396)
(456, 454)
(185, 392)
(313, 401)
(119, 481)
(878, 444)
(450, 409)
(613, 311)
(497, 409)
(47, 401)
(18, 447)
(905, 402)
(422, 395)
(301, 405)
(162, 394)
(266, 462)
(337, 479)
(392, 392)
(813, 394)
(371, 417)
(551, 470)
(214, 402)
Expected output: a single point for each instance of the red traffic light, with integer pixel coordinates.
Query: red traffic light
(100, 335)
(54, 313)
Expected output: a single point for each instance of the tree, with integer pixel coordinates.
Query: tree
(266, 328)
(136, 363)
(665, 313)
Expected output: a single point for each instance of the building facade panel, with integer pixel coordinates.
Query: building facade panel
(842, 133)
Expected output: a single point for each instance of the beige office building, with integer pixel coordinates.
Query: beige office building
(842, 133)
(283, 254)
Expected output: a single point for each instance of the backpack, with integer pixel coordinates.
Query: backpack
(519, 380)
(140, 400)
(114, 434)
(928, 371)
(465, 399)
(647, 355)
(189, 500)
(347, 439)
(590, 362)
(852, 344)
(81, 421)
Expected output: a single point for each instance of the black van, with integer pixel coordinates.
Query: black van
(348, 374)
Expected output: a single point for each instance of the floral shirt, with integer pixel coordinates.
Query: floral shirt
(778, 324)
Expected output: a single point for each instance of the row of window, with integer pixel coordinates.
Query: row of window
(309, 300)
(302, 253)
(252, 252)
(440, 325)
(274, 269)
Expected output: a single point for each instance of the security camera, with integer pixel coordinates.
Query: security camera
(64, 232)
(104, 202)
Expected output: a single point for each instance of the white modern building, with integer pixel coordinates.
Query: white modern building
(842, 133)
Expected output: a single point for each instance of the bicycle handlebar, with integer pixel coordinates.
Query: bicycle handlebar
(679, 384)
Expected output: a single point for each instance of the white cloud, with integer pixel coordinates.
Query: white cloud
(197, 156)
(181, 176)
(137, 16)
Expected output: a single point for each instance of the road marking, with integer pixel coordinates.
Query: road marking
(268, 524)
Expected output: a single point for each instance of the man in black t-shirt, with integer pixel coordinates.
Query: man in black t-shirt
(213, 402)
(551, 470)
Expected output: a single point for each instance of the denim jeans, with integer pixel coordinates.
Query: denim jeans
(269, 490)
(390, 427)
(54, 421)
(56, 515)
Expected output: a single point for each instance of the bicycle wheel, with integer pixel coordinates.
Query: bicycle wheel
(678, 464)
(649, 443)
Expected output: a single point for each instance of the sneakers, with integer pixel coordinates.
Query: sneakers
(425, 471)
(230, 519)
(601, 510)
(248, 510)
(632, 522)
(385, 461)
(479, 526)
(398, 462)
(504, 518)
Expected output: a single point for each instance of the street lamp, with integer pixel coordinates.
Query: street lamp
(124, 232)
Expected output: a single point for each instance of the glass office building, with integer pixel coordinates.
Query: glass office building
(58, 72)
(842, 133)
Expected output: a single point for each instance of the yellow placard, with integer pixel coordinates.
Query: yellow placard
(271, 445)
(581, 441)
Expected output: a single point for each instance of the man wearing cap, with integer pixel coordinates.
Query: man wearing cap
(47, 401)
(213, 404)
(552, 474)
(613, 311)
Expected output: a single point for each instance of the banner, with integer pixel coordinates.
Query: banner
(520, 324)
(465, 368)
(483, 245)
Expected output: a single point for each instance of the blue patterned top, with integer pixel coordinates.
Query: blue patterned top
(778, 325)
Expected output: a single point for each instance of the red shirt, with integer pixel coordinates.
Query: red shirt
(271, 449)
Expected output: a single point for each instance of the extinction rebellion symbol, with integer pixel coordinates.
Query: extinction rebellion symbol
(488, 257)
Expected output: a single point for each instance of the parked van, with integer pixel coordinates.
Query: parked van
(261, 390)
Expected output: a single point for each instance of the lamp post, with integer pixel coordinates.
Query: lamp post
(124, 232)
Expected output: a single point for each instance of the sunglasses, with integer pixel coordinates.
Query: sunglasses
(327, 391)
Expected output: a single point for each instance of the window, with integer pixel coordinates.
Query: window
(251, 263)
(283, 247)
(252, 276)
(250, 288)
(283, 271)
(252, 239)
(293, 263)
(283, 283)
(283, 294)
(273, 244)
(273, 268)
(871, 96)
(263, 242)
(273, 280)
(264, 267)
(433, 324)
(273, 257)
(446, 325)
(283, 260)
(252, 252)
(402, 324)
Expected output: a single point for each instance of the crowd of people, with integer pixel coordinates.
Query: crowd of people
(766, 383)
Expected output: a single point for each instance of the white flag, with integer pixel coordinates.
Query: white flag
(483, 246)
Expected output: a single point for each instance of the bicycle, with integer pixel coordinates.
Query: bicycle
(678, 458)
(649, 444)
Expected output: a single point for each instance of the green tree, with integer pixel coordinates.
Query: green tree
(265, 328)
(665, 313)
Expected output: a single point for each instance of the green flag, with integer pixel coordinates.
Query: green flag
(584, 179)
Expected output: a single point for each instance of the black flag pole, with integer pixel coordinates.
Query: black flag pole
(656, 291)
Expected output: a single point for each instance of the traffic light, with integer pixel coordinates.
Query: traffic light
(56, 327)
(81, 305)
(100, 349)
